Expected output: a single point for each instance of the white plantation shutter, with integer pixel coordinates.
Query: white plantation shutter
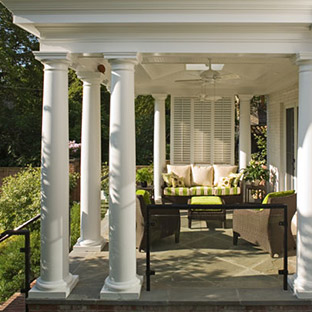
(181, 131)
(223, 129)
(202, 132)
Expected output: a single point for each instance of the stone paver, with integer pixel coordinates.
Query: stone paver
(203, 266)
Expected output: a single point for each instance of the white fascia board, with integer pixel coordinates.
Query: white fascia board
(169, 46)
(158, 5)
(159, 18)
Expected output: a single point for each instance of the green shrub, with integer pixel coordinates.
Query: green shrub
(12, 261)
(20, 201)
(74, 224)
(20, 197)
(105, 182)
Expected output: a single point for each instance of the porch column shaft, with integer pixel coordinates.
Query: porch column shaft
(90, 215)
(122, 282)
(302, 282)
(159, 144)
(244, 131)
(55, 281)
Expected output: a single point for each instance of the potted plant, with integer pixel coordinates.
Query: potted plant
(256, 172)
(144, 176)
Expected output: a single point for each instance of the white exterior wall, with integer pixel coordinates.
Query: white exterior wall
(277, 103)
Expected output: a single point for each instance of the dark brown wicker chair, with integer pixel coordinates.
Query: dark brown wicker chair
(163, 223)
(262, 227)
(206, 215)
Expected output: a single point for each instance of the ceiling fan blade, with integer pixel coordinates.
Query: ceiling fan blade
(189, 80)
(230, 76)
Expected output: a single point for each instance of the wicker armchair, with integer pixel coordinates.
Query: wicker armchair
(262, 227)
(165, 222)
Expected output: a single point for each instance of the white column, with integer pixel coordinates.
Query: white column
(55, 281)
(244, 130)
(159, 144)
(302, 280)
(90, 199)
(122, 282)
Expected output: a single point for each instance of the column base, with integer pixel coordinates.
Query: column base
(122, 291)
(53, 290)
(301, 291)
(158, 201)
(90, 246)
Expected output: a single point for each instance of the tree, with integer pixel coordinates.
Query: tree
(20, 95)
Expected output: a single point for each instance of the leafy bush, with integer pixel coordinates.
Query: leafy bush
(13, 262)
(105, 178)
(20, 201)
(20, 197)
(74, 223)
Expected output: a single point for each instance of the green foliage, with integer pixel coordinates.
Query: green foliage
(261, 141)
(144, 114)
(13, 261)
(145, 174)
(105, 178)
(256, 170)
(74, 223)
(20, 95)
(20, 197)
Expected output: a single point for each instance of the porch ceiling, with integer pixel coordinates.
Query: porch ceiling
(242, 73)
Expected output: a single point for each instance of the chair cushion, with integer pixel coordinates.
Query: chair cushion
(206, 200)
(206, 190)
(183, 171)
(202, 175)
(221, 171)
(277, 194)
(177, 191)
(146, 196)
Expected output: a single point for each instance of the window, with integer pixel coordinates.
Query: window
(202, 132)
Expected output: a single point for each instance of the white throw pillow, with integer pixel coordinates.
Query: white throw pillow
(221, 171)
(183, 171)
(202, 175)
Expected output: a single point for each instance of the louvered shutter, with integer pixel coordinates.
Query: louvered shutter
(223, 131)
(202, 132)
(181, 135)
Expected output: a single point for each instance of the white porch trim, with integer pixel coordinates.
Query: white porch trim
(159, 144)
(244, 130)
(122, 282)
(55, 281)
(90, 211)
(302, 281)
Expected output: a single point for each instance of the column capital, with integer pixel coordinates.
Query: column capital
(51, 58)
(121, 60)
(303, 58)
(90, 77)
(245, 97)
(159, 97)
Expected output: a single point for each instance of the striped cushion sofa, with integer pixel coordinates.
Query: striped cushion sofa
(203, 180)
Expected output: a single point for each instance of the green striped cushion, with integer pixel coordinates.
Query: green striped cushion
(177, 191)
(206, 191)
(201, 190)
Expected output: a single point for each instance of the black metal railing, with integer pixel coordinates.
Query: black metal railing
(149, 209)
(26, 249)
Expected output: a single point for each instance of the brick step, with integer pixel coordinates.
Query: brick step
(165, 307)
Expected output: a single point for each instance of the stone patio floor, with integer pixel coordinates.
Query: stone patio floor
(204, 266)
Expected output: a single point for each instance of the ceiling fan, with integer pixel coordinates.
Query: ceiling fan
(210, 76)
